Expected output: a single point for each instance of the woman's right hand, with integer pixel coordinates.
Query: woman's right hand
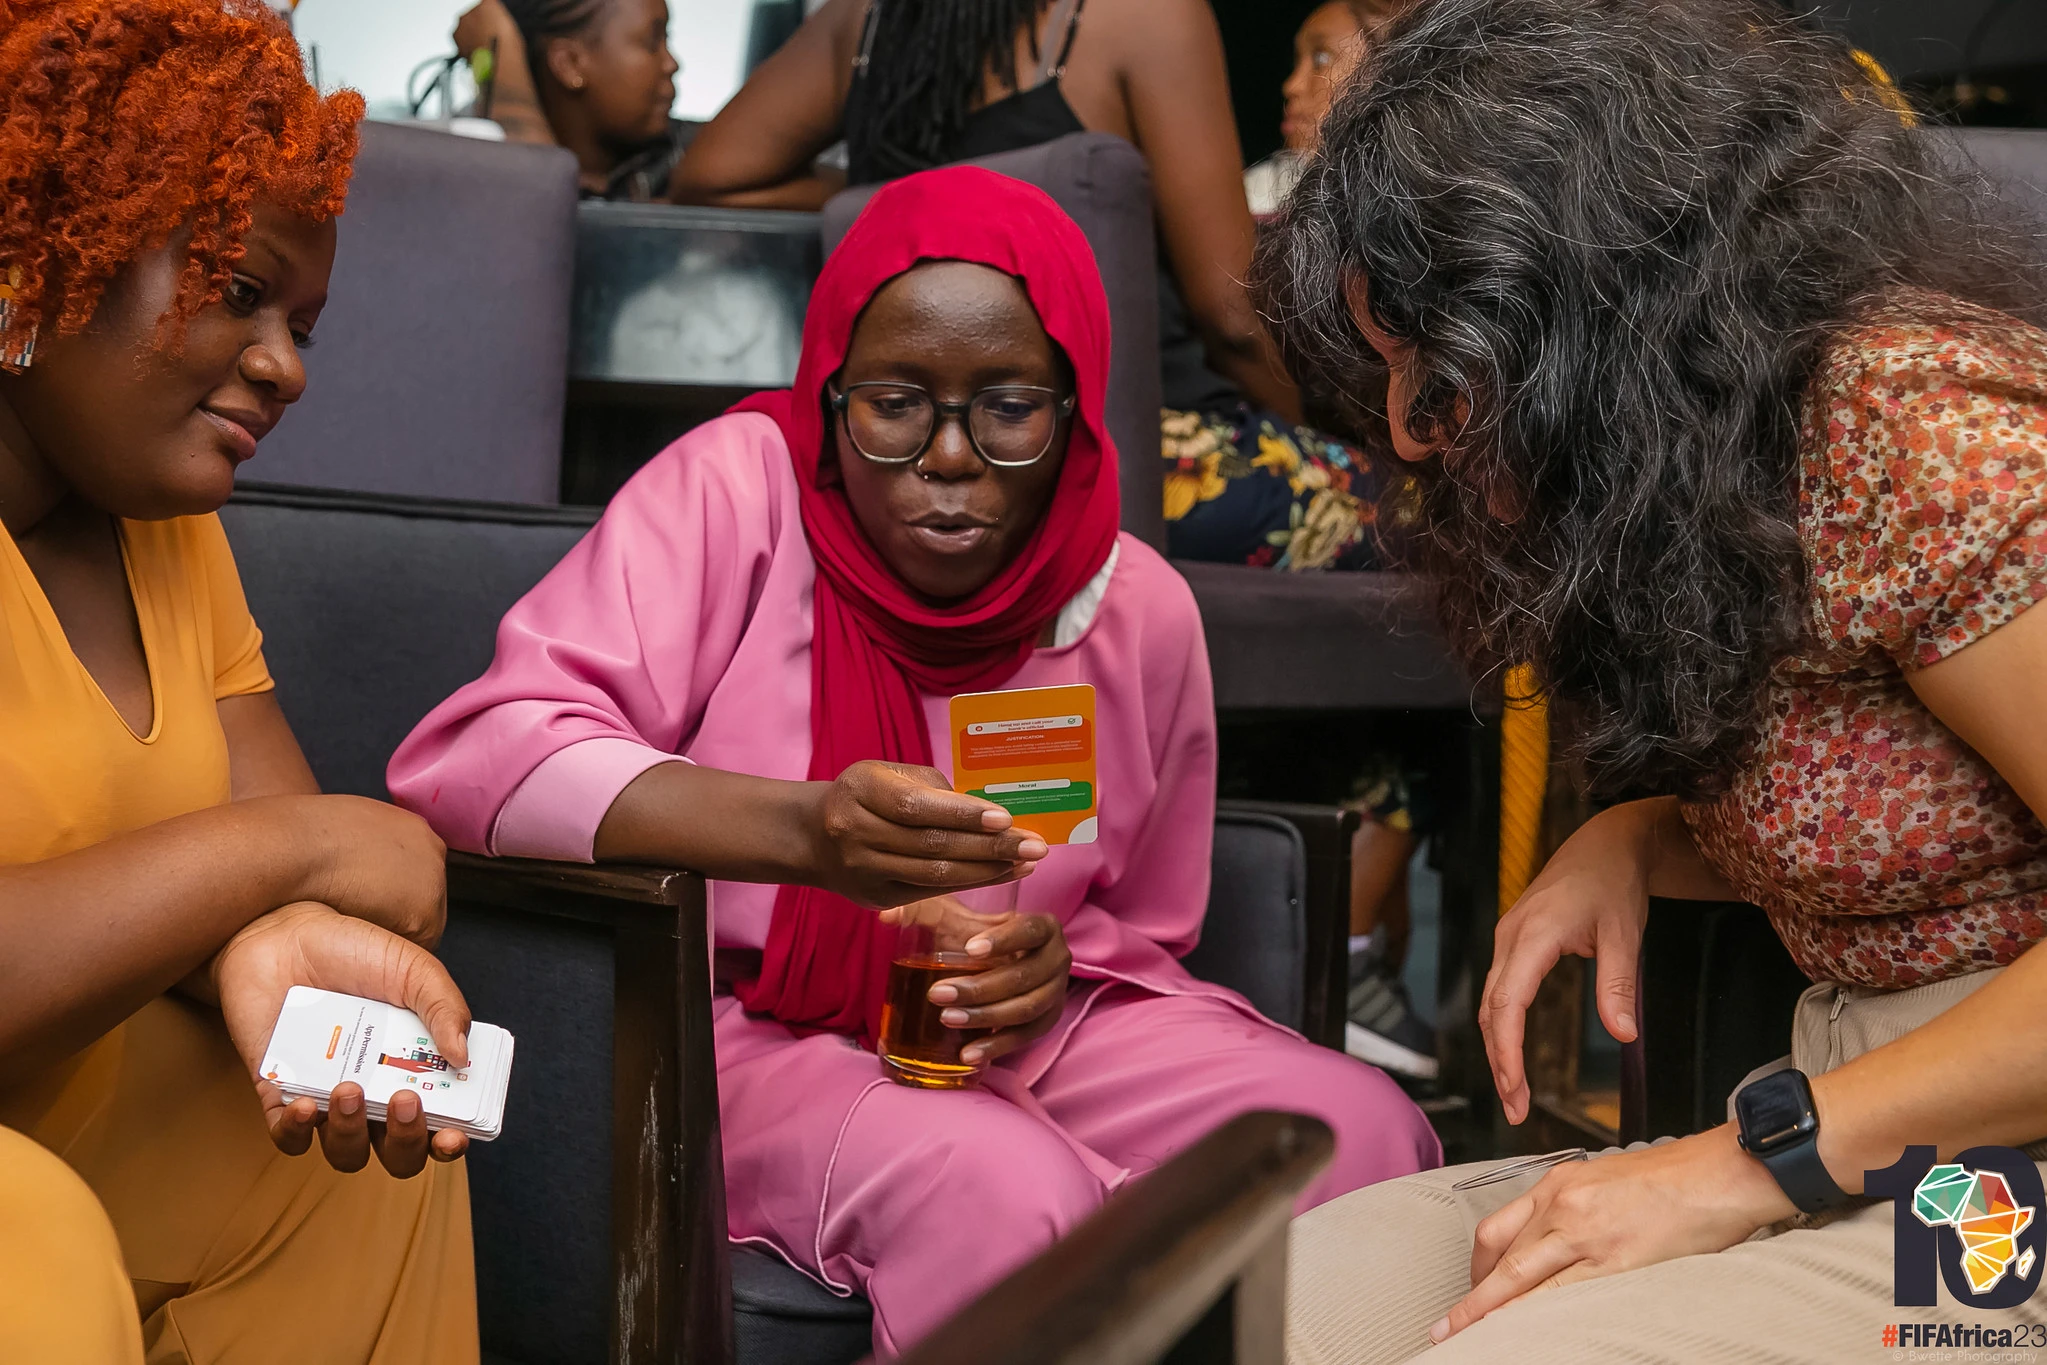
(888, 833)
(375, 862)
(1591, 900)
(307, 944)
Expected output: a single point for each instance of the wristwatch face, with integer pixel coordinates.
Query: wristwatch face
(1775, 1112)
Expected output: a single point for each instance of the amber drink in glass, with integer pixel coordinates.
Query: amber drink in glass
(917, 1047)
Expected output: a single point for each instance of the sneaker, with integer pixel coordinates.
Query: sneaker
(1382, 1028)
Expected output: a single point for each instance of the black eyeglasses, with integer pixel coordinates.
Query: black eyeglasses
(1009, 425)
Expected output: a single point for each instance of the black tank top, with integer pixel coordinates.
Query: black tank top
(1038, 115)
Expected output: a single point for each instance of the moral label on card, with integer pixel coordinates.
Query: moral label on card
(1032, 752)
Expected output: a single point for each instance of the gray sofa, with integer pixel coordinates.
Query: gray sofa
(441, 363)
(2014, 160)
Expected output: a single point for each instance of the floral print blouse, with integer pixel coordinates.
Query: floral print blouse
(1886, 851)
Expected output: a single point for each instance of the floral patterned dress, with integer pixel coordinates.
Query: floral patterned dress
(1246, 487)
(1886, 851)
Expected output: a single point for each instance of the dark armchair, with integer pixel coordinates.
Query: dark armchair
(443, 361)
(600, 1214)
(1716, 993)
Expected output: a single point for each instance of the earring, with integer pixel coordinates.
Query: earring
(14, 359)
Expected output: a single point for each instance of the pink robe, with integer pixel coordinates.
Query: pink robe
(680, 629)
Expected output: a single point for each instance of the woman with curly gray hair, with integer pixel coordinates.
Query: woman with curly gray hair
(1713, 372)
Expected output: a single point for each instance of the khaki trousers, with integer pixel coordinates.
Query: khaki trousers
(1371, 1271)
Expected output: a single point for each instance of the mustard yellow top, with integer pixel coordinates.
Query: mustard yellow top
(72, 773)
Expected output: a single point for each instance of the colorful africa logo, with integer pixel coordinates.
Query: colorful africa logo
(1988, 1196)
(1979, 1206)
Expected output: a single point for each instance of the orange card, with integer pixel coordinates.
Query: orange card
(1032, 752)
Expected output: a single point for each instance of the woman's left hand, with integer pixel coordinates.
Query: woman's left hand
(308, 944)
(1020, 998)
(1615, 1213)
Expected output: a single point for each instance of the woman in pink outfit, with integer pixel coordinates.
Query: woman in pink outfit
(740, 671)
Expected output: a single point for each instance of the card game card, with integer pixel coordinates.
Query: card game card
(1032, 752)
(323, 1038)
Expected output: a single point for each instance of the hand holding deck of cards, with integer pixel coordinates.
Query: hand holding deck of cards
(324, 1038)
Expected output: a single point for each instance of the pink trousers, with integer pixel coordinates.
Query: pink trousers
(920, 1199)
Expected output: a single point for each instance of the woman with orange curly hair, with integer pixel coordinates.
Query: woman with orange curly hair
(168, 188)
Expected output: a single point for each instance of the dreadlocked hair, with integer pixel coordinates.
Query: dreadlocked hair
(926, 66)
(538, 20)
(124, 123)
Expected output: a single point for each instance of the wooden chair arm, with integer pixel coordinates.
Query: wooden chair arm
(1207, 1229)
(583, 890)
(671, 1277)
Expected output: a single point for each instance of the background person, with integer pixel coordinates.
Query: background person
(741, 670)
(1382, 1027)
(167, 868)
(594, 76)
(1391, 794)
(1328, 47)
(1724, 421)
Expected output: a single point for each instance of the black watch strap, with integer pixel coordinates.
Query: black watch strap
(1780, 1127)
(1801, 1174)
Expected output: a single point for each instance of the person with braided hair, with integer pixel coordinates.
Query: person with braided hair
(169, 181)
(594, 76)
(914, 83)
(910, 84)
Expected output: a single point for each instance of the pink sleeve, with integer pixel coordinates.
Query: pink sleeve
(603, 670)
(1159, 894)
(555, 812)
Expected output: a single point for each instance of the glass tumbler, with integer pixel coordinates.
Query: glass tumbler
(917, 1047)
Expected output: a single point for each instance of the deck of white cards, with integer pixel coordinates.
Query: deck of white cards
(323, 1038)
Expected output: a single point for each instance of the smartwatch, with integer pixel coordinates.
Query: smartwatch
(1781, 1128)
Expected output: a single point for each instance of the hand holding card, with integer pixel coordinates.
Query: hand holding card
(310, 944)
(890, 833)
(1032, 752)
(324, 1039)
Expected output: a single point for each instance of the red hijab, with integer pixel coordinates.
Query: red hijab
(875, 644)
